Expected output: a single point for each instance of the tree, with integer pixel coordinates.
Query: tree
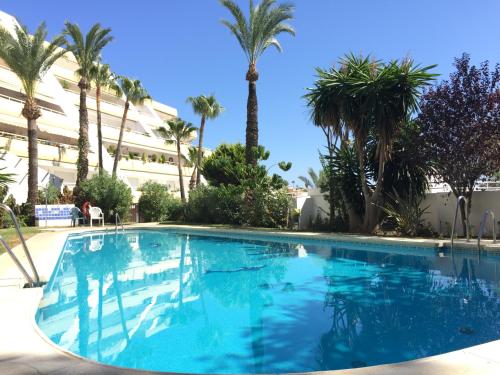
(368, 98)
(192, 162)
(86, 50)
(208, 108)
(30, 57)
(460, 121)
(312, 181)
(103, 79)
(134, 93)
(254, 35)
(178, 132)
(110, 194)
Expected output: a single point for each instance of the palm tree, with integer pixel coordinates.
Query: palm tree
(30, 57)
(312, 181)
(255, 35)
(208, 108)
(86, 50)
(192, 162)
(178, 131)
(134, 93)
(103, 78)
(368, 97)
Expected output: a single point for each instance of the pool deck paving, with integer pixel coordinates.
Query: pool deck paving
(24, 350)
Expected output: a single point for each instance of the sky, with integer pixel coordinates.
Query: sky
(179, 48)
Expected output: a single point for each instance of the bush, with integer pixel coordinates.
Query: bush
(270, 208)
(108, 193)
(215, 205)
(51, 193)
(157, 204)
(226, 205)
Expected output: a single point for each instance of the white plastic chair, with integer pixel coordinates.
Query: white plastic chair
(96, 214)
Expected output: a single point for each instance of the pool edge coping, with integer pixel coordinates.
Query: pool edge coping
(476, 358)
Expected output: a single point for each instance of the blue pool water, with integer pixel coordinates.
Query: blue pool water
(184, 302)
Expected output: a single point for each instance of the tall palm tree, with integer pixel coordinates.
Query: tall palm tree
(368, 97)
(178, 131)
(30, 58)
(192, 162)
(208, 108)
(312, 181)
(134, 93)
(266, 21)
(103, 78)
(86, 50)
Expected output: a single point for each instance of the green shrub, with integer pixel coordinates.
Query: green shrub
(157, 204)
(51, 193)
(226, 205)
(108, 193)
(215, 205)
(270, 208)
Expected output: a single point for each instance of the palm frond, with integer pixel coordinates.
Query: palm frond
(86, 49)
(29, 56)
(265, 22)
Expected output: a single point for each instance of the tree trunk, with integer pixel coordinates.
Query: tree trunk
(31, 112)
(179, 166)
(99, 129)
(252, 130)
(364, 185)
(200, 151)
(372, 205)
(120, 138)
(83, 139)
(192, 181)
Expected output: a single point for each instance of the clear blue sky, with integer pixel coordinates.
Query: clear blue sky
(178, 48)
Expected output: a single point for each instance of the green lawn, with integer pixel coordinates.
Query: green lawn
(10, 235)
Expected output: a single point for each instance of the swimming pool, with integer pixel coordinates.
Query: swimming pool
(183, 301)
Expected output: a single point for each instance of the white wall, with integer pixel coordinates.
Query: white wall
(312, 205)
(442, 209)
(440, 212)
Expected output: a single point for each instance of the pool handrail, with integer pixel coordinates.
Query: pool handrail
(19, 265)
(32, 281)
(118, 220)
(467, 234)
(487, 213)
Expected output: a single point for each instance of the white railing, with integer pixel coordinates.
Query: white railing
(435, 187)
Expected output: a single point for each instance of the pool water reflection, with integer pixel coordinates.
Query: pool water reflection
(182, 302)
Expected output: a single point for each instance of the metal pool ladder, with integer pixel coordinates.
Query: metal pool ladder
(482, 226)
(467, 234)
(118, 220)
(32, 281)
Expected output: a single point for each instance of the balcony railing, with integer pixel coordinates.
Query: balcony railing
(435, 187)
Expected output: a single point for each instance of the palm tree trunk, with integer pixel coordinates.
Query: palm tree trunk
(200, 152)
(119, 145)
(367, 194)
(83, 138)
(179, 166)
(99, 129)
(252, 131)
(31, 112)
(192, 181)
